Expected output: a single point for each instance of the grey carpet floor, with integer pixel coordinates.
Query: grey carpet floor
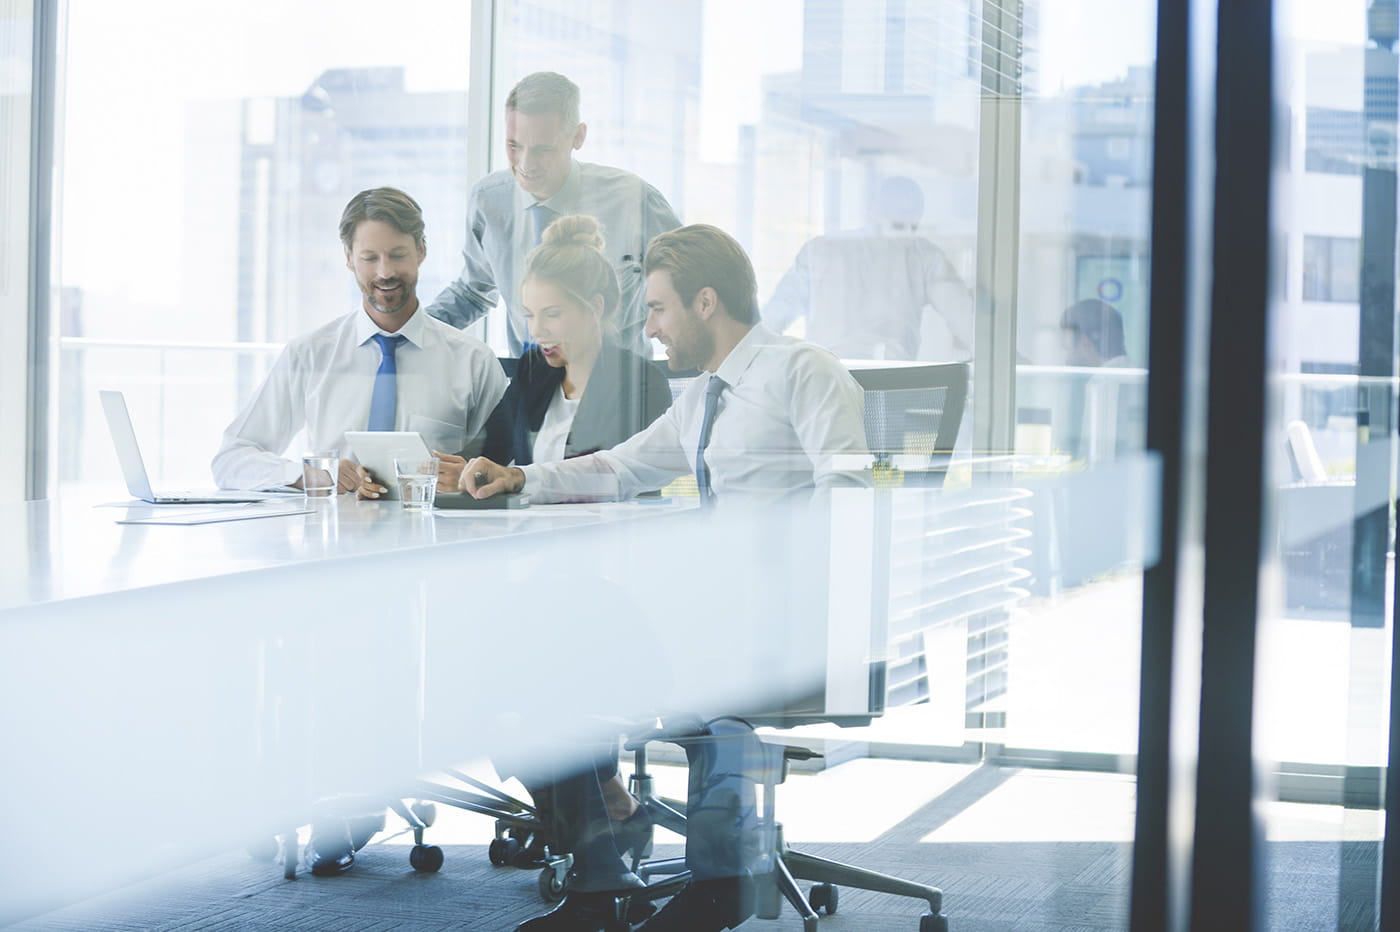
(1064, 887)
(999, 885)
(1078, 886)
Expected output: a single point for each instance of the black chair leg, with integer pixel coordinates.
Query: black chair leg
(821, 870)
(787, 885)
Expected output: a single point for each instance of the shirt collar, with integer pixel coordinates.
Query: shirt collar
(412, 330)
(743, 354)
(563, 202)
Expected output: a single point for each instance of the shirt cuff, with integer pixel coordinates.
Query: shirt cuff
(291, 473)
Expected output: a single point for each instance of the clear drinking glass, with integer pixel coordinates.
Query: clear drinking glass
(417, 480)
(318, 473)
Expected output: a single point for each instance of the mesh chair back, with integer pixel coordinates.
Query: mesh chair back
(914, 410)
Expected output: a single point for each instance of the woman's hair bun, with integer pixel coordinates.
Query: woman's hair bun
(577, 230)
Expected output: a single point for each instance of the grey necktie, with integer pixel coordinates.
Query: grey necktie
(707, 423)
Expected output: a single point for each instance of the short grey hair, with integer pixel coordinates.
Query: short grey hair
(546, 92)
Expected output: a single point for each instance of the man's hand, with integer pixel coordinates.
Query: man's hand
(449, 472)
(482, 478)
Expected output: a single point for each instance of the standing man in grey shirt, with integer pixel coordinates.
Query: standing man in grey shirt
(507, 211)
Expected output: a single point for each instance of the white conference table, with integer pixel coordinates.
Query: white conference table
(170, 691)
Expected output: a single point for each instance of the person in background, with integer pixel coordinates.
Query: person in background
(383, 366)
(1107, 409)
(1092, 334)
(863, 294)
(508, 211)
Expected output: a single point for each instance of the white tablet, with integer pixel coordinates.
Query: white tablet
(376, 450)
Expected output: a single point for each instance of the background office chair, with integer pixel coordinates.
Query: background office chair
(912, 416)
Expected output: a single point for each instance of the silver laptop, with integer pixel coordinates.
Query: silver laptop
(134, 468)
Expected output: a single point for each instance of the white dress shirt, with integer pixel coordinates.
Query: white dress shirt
(446, 385)
(863, 296)
(500, 233)
(789, 418)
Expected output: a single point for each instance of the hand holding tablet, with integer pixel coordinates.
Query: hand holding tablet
(377, 449)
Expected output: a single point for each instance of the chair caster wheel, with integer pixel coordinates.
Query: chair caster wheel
(503, 851)
(552, 886)
(426, 859)
(928, 922)
(825, 897)
(426, 812)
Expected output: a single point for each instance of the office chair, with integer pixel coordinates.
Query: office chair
(913, 412)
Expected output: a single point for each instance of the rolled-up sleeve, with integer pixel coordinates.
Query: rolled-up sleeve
(474, 292)
(267, 423)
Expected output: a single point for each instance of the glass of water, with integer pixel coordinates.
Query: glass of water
(417, 480)
(319, 469)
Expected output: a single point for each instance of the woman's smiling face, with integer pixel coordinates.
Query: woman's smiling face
(559, 324)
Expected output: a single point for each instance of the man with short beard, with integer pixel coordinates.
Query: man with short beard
(384, 366)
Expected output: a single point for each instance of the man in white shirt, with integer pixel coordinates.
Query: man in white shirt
(508, 211)
(883, 292)
(384, 366)
(783, 416)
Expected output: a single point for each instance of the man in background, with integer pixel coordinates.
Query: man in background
(1092, 334)
(865, 294)
(508, 211)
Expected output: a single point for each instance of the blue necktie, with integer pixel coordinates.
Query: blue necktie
(383, 404)
(707, 423)
(540, 218)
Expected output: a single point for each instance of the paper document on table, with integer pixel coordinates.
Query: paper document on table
(214, 517)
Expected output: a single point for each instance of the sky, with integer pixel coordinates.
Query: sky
(133, 70)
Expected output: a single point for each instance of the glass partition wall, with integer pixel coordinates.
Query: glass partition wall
(929, 181)
(1326, 612)
(206, 156)
(938, 181)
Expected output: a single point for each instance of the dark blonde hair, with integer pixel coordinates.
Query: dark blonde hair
(699, 256)
(387, 205)
(570, 255)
